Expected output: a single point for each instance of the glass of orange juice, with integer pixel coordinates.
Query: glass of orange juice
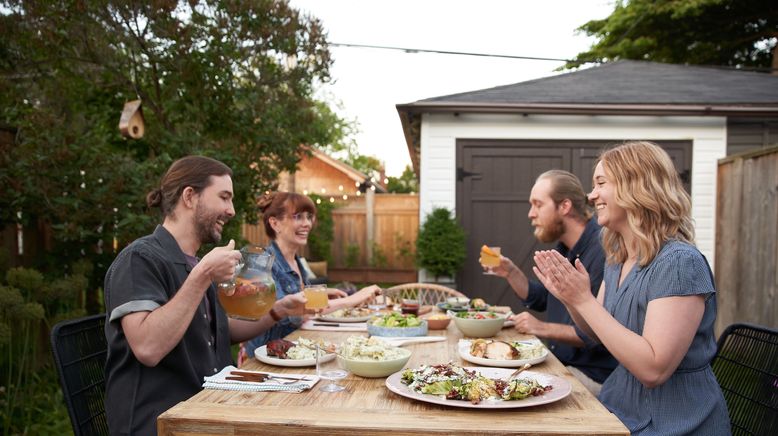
(317, 297)
(490, 258)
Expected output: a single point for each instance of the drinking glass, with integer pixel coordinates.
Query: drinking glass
(317, 298)
(490, 261)
(410, 306)
(330, 371)
(378, 303)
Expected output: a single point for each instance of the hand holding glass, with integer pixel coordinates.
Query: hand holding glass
(490, 258)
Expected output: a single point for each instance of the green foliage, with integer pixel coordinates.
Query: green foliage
(370, 165)
(379, 259)
(230, 80)
(30, 304)
(352, 255)
(405, 184)
(320, 238)
(405, 250)
(440, 246)
(43, 409)
(715, 32)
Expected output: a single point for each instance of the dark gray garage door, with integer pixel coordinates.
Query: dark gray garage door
(494, 179)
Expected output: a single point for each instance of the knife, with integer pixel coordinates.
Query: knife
(321, 324)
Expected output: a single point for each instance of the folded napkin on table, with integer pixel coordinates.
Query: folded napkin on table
(219, 381)
(313, 324)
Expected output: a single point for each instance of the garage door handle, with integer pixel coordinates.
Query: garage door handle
(461, 174)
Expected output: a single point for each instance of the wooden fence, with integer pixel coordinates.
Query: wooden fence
(378, 230)
(747, 239)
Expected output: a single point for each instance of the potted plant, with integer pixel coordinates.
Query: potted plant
(440, 246)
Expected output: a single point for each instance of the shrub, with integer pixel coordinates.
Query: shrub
(320, 239)
(440, 247)
(352, 255)
(379, 259)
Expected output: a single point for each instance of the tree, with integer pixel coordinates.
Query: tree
(370, 165)
(405, 184)
(740, 33)
(232, 80)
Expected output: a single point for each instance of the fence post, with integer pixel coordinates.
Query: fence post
(370, 220)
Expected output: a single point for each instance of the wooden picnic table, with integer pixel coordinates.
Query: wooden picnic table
(367, 407)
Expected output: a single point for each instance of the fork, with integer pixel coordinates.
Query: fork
(262, 377)
(518, 371)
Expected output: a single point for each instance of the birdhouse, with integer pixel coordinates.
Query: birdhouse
(131, 122)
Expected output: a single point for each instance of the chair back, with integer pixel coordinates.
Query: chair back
(80, 349)
(746, 366)
(427, 293)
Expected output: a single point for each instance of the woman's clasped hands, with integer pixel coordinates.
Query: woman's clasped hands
(570, 284)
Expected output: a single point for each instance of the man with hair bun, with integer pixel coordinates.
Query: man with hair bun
(559, 211)
(164, 327)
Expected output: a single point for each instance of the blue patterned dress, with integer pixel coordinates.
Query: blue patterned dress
(690, 401)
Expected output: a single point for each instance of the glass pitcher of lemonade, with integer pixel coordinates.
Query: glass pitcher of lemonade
(252, 292)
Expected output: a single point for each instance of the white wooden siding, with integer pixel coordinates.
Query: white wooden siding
(439, 133)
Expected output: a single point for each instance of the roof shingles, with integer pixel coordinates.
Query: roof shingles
(633, 82)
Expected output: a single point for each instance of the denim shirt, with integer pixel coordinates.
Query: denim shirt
(593, 360)
(287, 282)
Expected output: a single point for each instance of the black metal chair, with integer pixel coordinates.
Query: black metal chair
(746, 366)
(80, 349)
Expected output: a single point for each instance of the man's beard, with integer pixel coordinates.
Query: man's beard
(551, 232)
(206, 227)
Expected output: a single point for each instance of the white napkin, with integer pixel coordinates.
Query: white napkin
(219, 381)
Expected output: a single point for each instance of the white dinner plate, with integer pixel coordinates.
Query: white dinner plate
(327, 318)
(561, 389)
(464, 352)
(261, 355)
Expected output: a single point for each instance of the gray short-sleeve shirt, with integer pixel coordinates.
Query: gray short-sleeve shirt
(144, 276)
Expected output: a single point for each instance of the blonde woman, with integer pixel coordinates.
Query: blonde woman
(656, 308)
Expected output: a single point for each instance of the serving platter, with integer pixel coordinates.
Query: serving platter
(445, 306)
(561, 389)
(463, 347)
(344, 318)
(261, 354)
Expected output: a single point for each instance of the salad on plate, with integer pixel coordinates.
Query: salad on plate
(454, 382)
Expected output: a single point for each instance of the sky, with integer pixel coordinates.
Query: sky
(368, 83)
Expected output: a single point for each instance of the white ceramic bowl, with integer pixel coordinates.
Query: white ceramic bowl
(457, 301)
(375, 368)
(478, 328)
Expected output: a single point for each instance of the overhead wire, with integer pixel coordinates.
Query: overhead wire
(532, 58)
(421, 50)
